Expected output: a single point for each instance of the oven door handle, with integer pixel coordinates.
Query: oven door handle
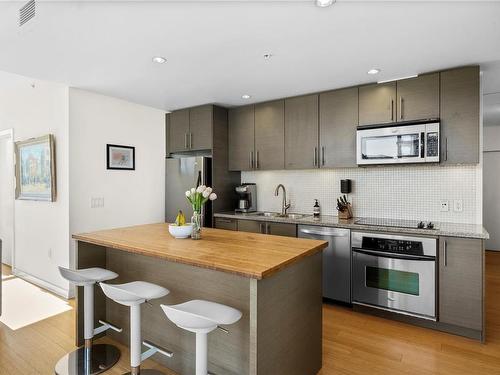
(384, 254)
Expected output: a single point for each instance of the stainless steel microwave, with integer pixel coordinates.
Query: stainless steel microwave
(395, 144)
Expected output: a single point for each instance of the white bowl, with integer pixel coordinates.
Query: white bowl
(183, 231)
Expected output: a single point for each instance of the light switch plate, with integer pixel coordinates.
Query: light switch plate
(444, 206)
(458, 205)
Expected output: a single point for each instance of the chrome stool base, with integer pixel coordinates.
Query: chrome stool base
(146, 371)
(103, 357)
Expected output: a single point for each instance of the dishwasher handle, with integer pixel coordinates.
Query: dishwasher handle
(329, 233)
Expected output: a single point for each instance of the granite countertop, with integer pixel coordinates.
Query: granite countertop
(442, 228)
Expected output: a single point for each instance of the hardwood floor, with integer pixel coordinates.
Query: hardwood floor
(353, 343)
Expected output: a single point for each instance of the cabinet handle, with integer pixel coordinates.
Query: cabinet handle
(392, 109)
(190, 140)
(322, 155)
(257, 164)
(250, 160)
(400, 107)
(446, 149)
(267, 228)
(314, 157)
(261, 228)
(186, 140)
(445, 253)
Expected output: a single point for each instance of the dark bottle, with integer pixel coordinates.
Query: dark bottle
(316, 209)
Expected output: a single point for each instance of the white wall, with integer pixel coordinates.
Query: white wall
(34, 108)
(130, 197)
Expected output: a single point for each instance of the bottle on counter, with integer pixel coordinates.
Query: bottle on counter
(316, 209)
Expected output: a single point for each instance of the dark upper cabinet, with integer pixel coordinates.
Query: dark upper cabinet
(418, 98)
(270, 135)
(338, 118)
(178, 131)
(190, 129)
(377, 103)
(461, 268)
(301, 132)
(241, 138)
(460, 113)
(200, 127)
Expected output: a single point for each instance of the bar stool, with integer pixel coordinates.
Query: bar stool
(89, 359)
(133, 295)
(201, 317)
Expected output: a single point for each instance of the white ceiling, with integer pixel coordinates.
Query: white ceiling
(214, 49)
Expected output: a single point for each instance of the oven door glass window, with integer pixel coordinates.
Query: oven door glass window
(392, 280)
(391, 146)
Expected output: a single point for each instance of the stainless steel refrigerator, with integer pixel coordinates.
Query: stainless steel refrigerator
(183, 173)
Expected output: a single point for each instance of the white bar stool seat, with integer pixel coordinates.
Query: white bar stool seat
(134, 294)
(89, 359)
(201, 317)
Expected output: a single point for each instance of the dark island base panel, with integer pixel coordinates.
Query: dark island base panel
(444, 327)
(280, 331)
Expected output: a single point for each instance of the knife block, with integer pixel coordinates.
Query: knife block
(346, 214)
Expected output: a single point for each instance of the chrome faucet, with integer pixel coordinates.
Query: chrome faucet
(284, 206)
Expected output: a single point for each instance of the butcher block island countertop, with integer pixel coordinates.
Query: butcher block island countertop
(247, 254)
(276, 282)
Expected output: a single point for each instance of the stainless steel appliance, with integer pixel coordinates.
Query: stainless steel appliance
(247, 197)
(394, 144)
(336, 260)
(182, 174)
(395, 273)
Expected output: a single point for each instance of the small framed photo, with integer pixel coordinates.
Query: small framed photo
(36, 169)
(120, 157)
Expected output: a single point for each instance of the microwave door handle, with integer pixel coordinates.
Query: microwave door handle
(384, 254)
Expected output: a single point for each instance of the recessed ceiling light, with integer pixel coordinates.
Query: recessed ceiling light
(374, 71)
(267, 56)
(324, 3)
(245, 96)
(159, 60)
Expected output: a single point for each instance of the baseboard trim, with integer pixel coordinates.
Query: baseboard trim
(66, 294)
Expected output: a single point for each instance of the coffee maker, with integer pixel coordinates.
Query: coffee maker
(248, 198)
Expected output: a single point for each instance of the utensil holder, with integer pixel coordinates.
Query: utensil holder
(346, 214)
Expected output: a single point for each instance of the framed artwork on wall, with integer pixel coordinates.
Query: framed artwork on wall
(36, 169)
(120, 157)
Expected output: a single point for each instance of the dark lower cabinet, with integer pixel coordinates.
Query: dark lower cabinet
(277, 229)
(225, 223)
(461, 273)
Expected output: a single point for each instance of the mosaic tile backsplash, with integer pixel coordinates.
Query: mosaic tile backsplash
(408, 192)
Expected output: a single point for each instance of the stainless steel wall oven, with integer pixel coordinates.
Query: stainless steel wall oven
(396, 273)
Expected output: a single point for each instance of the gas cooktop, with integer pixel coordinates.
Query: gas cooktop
(396, 223)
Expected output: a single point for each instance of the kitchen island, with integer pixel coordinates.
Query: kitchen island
(275, 282)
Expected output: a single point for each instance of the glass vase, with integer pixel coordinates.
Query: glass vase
(196, 222)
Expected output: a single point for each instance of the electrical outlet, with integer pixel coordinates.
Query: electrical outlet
(458, 205)
(444, 206)
(96, 202)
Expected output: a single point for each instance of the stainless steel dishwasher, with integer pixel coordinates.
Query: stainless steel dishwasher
(336, 260)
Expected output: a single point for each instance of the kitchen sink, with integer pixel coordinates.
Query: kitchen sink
(277, 214)
(267, 214)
